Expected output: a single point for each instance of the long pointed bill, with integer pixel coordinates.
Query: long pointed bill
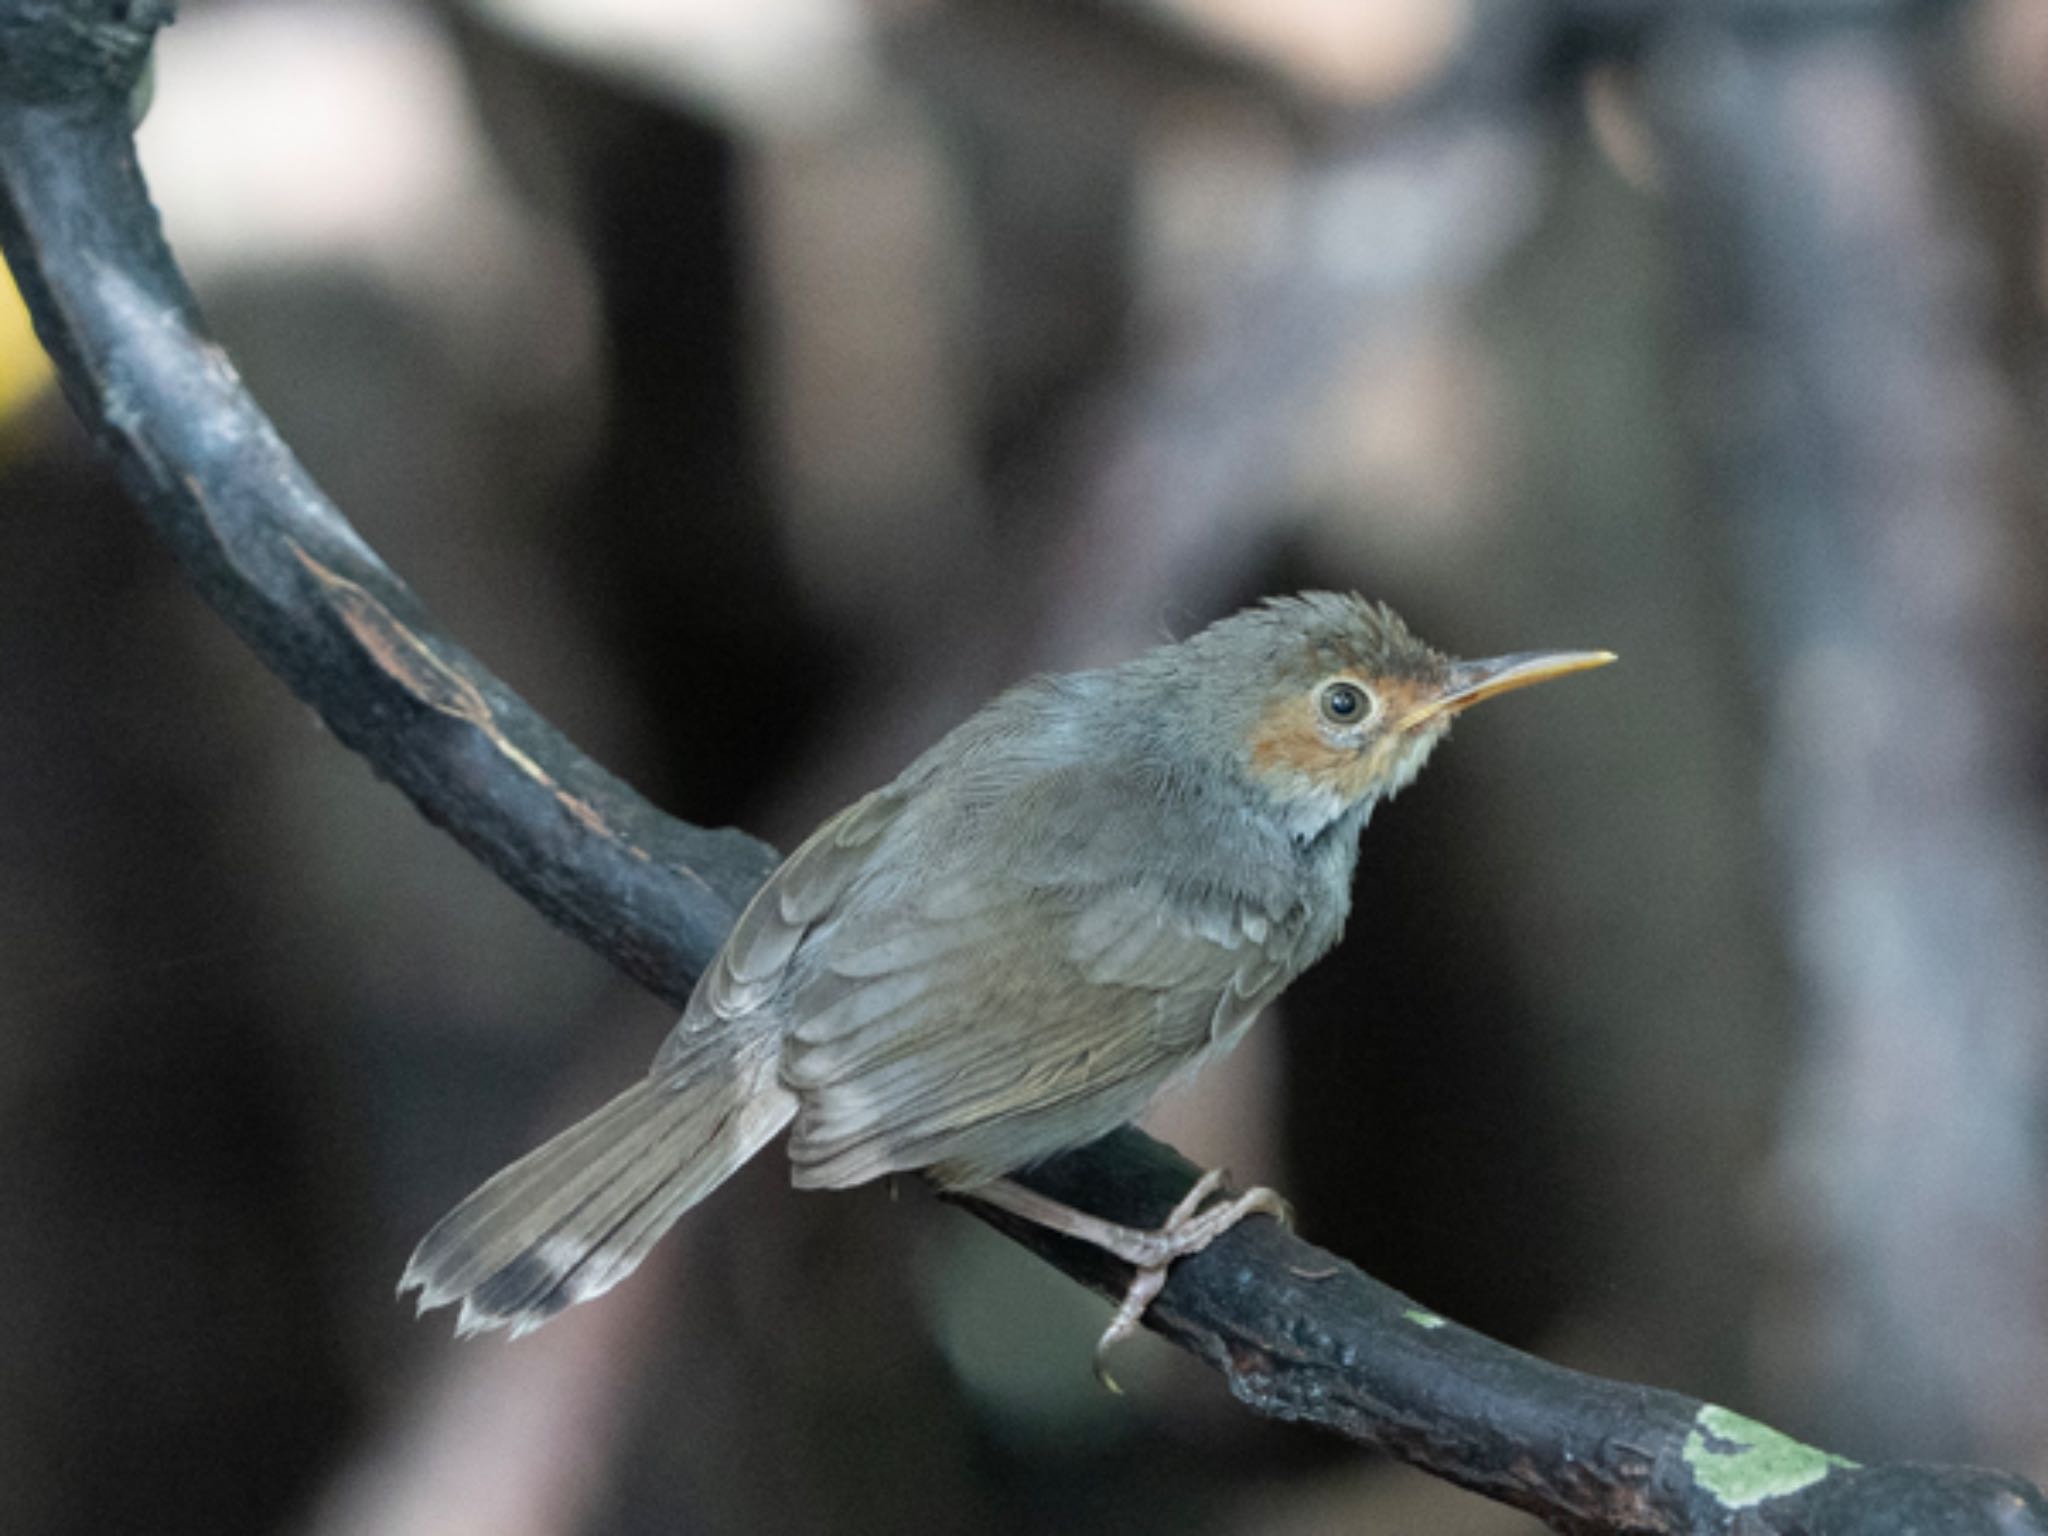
(1471, 681)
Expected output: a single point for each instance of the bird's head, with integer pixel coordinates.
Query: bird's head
(1336, 704)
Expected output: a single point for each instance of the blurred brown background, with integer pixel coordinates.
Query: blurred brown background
(759, 386)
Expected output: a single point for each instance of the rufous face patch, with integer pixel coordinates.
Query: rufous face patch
(1292, 748)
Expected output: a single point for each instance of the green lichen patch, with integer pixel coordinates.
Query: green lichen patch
(1423, 1319)
(1741, 1462)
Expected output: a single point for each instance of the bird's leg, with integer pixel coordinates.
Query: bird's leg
(1188, 1229)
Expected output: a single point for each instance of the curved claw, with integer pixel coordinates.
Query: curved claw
(1145, 1285)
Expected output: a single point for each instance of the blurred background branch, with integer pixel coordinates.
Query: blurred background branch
(967, 338)
(1865, 451)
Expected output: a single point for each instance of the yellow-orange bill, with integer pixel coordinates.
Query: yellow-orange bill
(1471, 681)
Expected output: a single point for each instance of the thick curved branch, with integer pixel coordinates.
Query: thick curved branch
(280, 564)
(1297, 1333)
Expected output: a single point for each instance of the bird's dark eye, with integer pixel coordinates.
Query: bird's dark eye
(1345, 703)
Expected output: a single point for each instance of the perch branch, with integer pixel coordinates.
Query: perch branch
(1297, 1333)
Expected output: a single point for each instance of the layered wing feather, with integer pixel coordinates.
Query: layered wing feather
(751, 968)
(1008, 1012)
(1006, 953)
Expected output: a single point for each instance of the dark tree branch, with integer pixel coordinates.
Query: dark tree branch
(1297, 1333)
(1301, 1335)
(280, 564)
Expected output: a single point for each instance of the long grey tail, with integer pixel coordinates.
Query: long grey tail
(572, 1219)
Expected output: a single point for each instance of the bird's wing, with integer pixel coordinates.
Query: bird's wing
(995, 1020)
(751, 965)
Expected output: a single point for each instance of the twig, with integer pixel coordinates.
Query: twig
(1297, 1333)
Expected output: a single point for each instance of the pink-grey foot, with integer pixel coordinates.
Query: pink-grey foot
(1187, 1230)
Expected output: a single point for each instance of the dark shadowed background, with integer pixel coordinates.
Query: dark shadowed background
(758, 387)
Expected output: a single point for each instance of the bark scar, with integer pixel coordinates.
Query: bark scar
(397, 651)
(402, 656)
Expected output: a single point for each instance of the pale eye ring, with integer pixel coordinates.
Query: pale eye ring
(1345, 704)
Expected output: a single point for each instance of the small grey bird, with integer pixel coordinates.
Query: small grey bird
(1079, 896)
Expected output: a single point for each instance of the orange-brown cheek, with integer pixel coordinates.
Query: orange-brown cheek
(1288, 750)
(1286, 741)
